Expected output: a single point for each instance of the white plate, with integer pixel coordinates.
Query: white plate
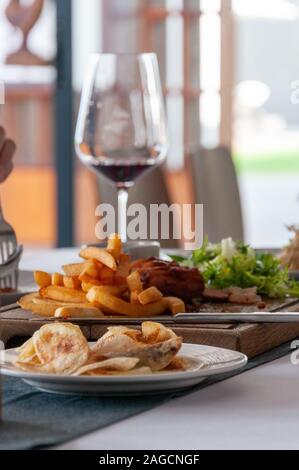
(224, 360)
(26, 285)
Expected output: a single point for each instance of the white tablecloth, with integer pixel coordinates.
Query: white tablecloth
(258, 409)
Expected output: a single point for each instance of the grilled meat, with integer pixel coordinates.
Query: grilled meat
(170, 278)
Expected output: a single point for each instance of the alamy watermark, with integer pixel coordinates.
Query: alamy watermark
(158, 222)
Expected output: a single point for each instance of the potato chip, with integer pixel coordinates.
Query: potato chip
(121, 364)
(117, 343)
(156, 356)
(27, 351)
(153, 332)
(61, 346)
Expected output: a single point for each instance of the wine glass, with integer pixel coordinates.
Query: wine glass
(121, 129)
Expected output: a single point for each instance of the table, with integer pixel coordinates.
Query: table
(258, 409)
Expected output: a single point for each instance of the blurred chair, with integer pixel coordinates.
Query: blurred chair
(216, 186)
(149, 189)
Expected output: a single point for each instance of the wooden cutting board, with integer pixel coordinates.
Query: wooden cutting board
(16, 325)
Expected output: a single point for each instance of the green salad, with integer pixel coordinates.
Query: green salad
(229, 263)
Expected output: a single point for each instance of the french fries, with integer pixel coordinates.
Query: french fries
(176, 305)
(123, 269)
(135, 286)
(100, 285)
(115, 306)
(42, 279)
(78, 312)
(92, 268)
(100, 255)
(72, 282)
(57, 279)
(114, 246)
(74, 269)
(63, 294)
(149, 296)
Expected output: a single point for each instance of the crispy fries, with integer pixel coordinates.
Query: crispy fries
(63, 294)
(57, 279)
(135, 286)
(92, 268)
(74, 269)
(176, 305)
(149, 296)
(42, 279)
(115, 306)
(101, 283)
(78, 312)
(114, 246)
(100, 255)
(72, 282)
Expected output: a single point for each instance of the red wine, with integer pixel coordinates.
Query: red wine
(122, 167)
(123, 175)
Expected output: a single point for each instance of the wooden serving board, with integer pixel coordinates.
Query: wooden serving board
(251, 339)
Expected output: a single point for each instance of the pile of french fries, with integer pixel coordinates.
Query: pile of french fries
(102, 284)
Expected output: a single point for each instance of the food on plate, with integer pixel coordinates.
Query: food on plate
(61, 348)
(150, 295)
(101, 255)
(170, 278)
(289, 257)
(42, 279)
(231, 265)
(112, 305)
(102, 284)
(78, 312)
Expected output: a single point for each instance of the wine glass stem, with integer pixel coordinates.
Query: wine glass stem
(122, 195)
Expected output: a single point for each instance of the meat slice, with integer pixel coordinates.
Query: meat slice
(215, 295)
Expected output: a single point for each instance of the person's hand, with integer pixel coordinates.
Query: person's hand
(7, 150)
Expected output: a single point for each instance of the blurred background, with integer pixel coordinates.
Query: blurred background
(227, 68)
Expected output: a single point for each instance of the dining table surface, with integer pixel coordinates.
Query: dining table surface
(257, 409)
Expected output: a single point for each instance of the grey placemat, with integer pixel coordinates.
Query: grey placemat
(32, 419)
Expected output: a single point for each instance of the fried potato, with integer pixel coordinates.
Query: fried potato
(116, 291)
(57, 279)
(134, 282)
(72, 282)
(157, 356)
(115, 306)
(176, 305)
(107, 276)
(114, 246)
(92, 269)
(100, 255)
(78, 312)
(150, 295)
(86, 286)
(61, 347)
(153, 332)
(121, 364)
(135, 286)
(63, 294)
(28, 302)
(123, 269)
(42, 278)
(27, 351)
(74, 269)
(112, 342)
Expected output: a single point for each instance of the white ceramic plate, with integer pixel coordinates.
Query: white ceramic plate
(224, 360)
